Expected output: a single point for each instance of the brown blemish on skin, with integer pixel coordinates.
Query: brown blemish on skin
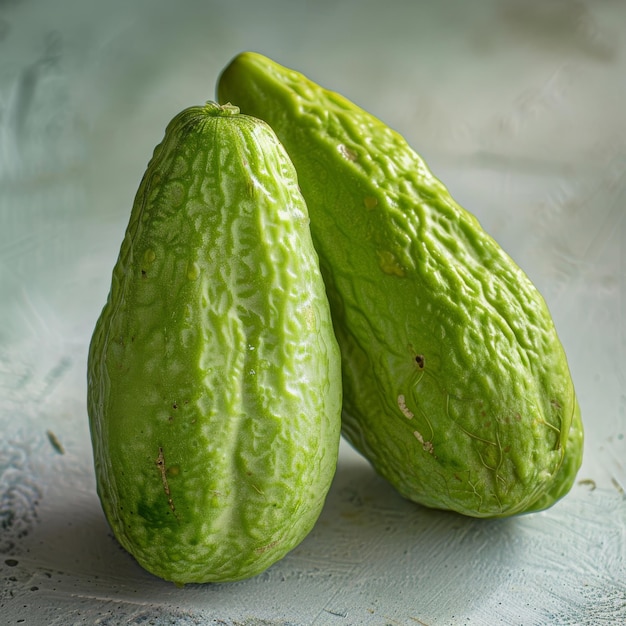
(346, 152)
(160, 462)
(426, 445)
(370, 202)
(404, 408)
(269, 546)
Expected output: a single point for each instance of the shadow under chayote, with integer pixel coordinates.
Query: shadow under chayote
(367, 538)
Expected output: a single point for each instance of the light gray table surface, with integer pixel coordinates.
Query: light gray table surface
(518, 107)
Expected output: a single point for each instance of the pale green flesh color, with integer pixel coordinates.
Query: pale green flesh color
(456, 386)
(214, 388)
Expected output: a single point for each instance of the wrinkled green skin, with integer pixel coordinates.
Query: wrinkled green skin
(456, 386)
(214, 390)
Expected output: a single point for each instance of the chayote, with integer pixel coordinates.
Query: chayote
(214, 386)
(456, 386)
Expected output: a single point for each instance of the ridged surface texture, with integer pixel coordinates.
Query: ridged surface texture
(214, 375)
(456, 386)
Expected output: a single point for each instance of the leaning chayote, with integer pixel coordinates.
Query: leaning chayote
(456, 386)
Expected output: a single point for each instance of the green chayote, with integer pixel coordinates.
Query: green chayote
(456, 386)
(214, 386)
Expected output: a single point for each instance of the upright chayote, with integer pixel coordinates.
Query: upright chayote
(214, 385)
